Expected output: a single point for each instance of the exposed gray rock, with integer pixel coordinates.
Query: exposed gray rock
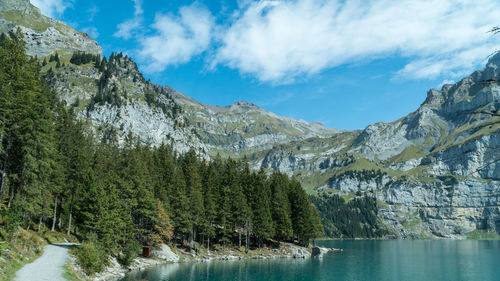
(42, 34)
(319, 252)
(243, 126)
(164, 252)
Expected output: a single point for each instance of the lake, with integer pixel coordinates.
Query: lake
(361, 260)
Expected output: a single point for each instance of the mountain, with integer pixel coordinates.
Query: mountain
(42, 34)
(434, 172)
(244, 127)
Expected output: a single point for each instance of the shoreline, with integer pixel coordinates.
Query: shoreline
(115, 271)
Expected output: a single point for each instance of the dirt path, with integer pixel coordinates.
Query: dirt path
(48, 267)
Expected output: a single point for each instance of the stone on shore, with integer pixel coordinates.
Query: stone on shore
(320, 251)
(164, 252)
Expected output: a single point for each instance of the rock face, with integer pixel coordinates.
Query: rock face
(244, 127)
(42, 34)
(435, 172)
(164, 252)
(118, 101)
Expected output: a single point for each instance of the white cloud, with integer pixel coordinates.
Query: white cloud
(138, 8)
(277, 41)
(445, 82)
(177, 39)
(51, 8)
(92, 31)
(130, 27)
(92, 12)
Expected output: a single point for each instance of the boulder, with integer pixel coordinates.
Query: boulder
(300, 253)
(164, 252)
(320, 251)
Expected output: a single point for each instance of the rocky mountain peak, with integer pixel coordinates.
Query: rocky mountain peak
(243, 105)
(43, 35)
(494, 60)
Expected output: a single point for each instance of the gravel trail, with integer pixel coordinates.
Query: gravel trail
(48, 267)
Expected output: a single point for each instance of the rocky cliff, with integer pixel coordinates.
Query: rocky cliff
(42, 34)
(244, 128)
(435, 172)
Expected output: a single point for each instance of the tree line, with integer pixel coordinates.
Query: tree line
(55, 175)
(356, 218)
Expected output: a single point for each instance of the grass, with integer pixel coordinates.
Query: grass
(23, 247)
(479, 234)
(70, 274)
(412, 224)
(32, 22)
(359, 165)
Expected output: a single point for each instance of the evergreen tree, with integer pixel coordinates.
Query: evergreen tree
(261, 206)
(163, 229)
(27, 132)
(280, 207)
(179, 202)
(190, 169)
(300, 213)
(76, 151)
(210, 184)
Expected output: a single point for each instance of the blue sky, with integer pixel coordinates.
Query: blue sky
(346, 64)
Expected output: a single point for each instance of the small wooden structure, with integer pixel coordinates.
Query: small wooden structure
(146, 251)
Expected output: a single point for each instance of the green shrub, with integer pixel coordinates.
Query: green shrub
(14, 217)
(128, 253)
(91, 258)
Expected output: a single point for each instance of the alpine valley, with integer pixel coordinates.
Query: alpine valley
(434, 173)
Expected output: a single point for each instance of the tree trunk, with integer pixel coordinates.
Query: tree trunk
(239, 238)
(10, 197)
(55, 216)
(40, 223)
(69, 222)
(246, 240)
(4, 167)
(208, 244)
(71, 210)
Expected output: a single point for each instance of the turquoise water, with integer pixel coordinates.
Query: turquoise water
(361, 260)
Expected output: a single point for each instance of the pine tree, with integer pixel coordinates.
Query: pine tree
(190, 169)
(210, 183)
(137, 187)
(179, 202)
(300, 213)
(316, 225)
(163, 229)
(28, 128)
(261, 206)
(75, 149)
(280, 207)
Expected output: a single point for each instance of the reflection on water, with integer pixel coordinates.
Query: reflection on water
(360, 260)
